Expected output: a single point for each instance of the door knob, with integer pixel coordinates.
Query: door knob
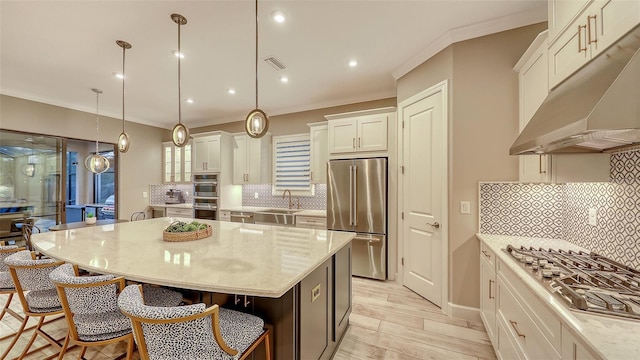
(435, 225)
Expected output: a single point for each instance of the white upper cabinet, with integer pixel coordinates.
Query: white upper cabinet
(533, 88)
(360, 131)
(251, 160)
(580, 30)
(319, 137)
(206, 154)
(176, 163)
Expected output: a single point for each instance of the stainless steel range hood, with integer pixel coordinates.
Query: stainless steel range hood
(596, 109)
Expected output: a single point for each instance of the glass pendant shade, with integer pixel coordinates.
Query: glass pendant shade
(123, 142)
(257, 123)
(123, 139)
(180, 133)
(29, 169)
(96, 163)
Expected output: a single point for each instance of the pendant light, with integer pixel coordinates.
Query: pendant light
(257, 123)
(180, 133)
(97, 163)
(123, 139)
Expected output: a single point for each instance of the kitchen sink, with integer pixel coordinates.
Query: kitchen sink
(282, 217)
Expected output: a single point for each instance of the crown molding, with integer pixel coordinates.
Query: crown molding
(539, 14)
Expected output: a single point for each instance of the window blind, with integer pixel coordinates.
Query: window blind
(292, 155)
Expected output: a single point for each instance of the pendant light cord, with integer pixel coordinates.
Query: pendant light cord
(179, 81)
(123, 80)
(256, 54)
(97, 118)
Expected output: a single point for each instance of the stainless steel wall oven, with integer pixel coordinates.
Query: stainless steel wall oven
(205, 196)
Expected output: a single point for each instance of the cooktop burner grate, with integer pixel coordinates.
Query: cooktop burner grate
(586, 281)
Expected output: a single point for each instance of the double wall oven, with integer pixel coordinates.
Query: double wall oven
(206, 196)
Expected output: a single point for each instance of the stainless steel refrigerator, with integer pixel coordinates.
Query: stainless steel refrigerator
(357, 201)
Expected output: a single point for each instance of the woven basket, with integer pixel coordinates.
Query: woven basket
(187, 236)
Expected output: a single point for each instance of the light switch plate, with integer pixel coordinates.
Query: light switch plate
(255, 195)
(465, 207)
(145, 195)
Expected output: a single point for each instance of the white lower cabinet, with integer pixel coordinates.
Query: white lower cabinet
(311, 222)
(519, 324)
(225, 215)
(179, 212)
(572, 348)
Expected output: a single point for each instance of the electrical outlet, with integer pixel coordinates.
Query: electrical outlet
(145, 195)
(255, 195)
(465, 207)
(593, 217)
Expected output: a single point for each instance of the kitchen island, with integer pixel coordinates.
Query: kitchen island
(298, 280)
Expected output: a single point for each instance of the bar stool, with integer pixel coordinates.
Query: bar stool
(90, 305)
(192, 331)
(6, 285)
(37, 295)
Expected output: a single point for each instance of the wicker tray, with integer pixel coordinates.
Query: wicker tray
(187, 236)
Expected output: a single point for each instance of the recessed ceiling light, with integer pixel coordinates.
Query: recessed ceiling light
(176, 53)
(278, 16)
(284, 79)
(190, 101)
(353, 63)
(231, 91)
(118, 75)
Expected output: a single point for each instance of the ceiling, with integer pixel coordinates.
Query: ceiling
(56, 51)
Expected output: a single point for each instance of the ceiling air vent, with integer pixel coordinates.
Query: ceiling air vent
(275, 63)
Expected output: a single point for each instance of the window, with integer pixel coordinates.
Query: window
(104, 184)
(291, 165)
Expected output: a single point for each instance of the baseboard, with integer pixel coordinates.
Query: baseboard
(465, 312)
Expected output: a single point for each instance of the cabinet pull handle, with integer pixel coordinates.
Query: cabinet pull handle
(580, 48)
(359, 143)
(540, 165)
(490, 297)
(595, 29)
(354, 143)
(514, 324)
(310, 175)
(486, 254)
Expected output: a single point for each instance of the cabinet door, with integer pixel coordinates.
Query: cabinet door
(372, 133)
(253, 160)
(186, 163)
(213, 152)
(319, 154)
(240, 160)
(612, 19)
(568, 53)
(562, 13)
(572, 348)
(167, 162)
(488, 297)
(342, 136)
(200, 154)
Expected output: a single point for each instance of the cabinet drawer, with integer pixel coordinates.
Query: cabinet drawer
(179, 212)
(505, 346)
(488, 255)
(225, 215)
(535, 328)
(311, 222)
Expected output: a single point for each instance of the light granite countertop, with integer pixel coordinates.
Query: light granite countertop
(613, 338)
(243, 259)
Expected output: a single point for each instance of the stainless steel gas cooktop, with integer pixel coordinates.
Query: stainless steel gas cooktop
(585, 281)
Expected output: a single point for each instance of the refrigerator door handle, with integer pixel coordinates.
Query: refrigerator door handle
(355, 195)
(351, 195)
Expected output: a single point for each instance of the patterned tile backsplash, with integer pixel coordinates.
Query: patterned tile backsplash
(158, 193)
(561, 210)
(266, 199)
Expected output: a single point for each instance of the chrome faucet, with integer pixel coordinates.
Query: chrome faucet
(285, 193)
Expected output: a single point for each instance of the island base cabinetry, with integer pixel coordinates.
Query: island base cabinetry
(309, 320)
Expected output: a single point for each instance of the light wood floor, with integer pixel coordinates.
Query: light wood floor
(388, 321)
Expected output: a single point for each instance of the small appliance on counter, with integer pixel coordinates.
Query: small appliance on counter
(175, 197)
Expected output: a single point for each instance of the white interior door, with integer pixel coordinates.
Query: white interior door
(424, 159)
